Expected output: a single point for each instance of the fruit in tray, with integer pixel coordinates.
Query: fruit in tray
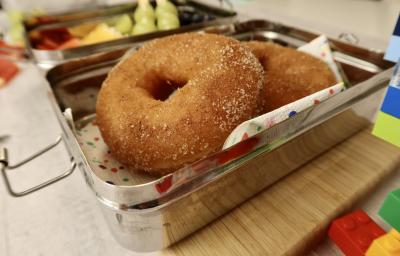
(124, 24)
(145, 19)
(71, 43)
(168, 21)
(144, 28)
(80, 31)
(11, 51)
(16, 31)
(101, 33)
(144, 11)
(8, 69)
(16, 19)
(50, 39)
(167, 15)
(165, 6)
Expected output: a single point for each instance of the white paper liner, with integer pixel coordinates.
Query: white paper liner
(319, 48)
(263, 122)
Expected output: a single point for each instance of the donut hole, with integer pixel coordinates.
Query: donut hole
(162, 89)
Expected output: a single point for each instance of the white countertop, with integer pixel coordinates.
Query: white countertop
(371, 21)
(64, 219)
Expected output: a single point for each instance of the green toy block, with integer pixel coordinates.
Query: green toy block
(387, 127)
(390, 210)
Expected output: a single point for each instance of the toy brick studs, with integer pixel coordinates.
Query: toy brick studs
(389, 244)
(357, 234)
(354, 233)
(386, 245)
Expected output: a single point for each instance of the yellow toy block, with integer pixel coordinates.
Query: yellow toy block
(395, 233)
(386, 245)
(387, 128)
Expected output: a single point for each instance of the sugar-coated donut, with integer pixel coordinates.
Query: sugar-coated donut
(289, 74)
(147, 127)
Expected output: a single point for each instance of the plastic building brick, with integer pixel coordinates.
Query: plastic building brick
(386, 245)
(393, 51)
(387, 128)
(391, 104)
(354, 233)
(390, 210)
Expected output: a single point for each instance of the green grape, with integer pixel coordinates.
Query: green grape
(168, 21)
(144, 12)
(165, 7)
(143, 28)
(124, 24)
(17, 33)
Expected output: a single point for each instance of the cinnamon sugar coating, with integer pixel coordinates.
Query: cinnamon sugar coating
(289, 74)
(218, 82)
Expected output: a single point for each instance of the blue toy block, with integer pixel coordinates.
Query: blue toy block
(397, 28)
(393, 50)
(391, 104)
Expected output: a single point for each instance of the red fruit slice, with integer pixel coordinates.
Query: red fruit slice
(50, 43)
(74, 42)
(8, 70)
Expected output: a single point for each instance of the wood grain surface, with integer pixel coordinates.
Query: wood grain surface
(291, 217)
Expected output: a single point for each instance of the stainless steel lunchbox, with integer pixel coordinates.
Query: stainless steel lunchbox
(157, 212)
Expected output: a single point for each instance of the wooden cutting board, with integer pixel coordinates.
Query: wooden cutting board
(291, 217)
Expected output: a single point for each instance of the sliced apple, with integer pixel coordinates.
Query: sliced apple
(82, 30)
(72, 43)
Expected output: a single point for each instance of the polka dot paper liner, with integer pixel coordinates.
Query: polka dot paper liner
(268, 120)
(107, 168)
(101, 161)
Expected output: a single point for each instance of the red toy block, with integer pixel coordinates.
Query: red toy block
(354, 233)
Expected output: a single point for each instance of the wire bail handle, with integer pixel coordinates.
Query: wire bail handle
(6, 166)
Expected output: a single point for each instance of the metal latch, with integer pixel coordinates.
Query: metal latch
(5, 167)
